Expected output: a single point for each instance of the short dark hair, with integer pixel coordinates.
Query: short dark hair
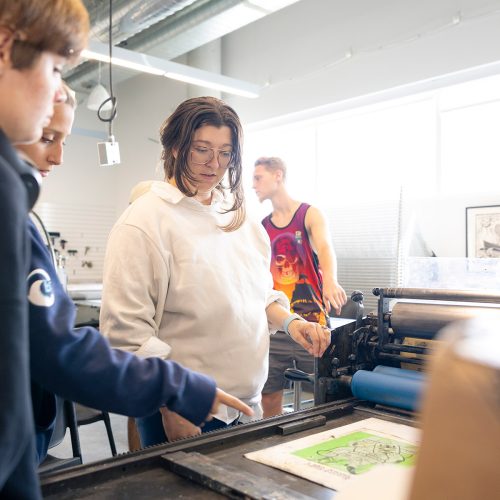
(176, 134)
(58, 26)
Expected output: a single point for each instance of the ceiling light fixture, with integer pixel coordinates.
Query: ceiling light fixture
(98, 95)
(155, 66)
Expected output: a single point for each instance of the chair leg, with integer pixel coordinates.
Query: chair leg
(297, 391)
(297, 394)
(69, 408)
(107, 423)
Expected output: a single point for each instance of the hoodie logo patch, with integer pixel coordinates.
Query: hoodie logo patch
(40, 291)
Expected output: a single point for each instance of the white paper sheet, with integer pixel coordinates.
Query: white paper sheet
(335, 457)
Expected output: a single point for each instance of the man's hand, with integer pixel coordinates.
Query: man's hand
(177, 427)
(313, 337)
(224, 398)
(334, 296)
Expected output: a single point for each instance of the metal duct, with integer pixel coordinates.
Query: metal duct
(129, 16)
(165, 28)
(173, 25)
(188, 19)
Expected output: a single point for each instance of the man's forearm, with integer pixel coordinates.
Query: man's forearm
(327, 263)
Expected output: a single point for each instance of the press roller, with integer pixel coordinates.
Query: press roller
(366, 357)
(423, 321)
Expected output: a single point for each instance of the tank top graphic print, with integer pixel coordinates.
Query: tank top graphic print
(295, 268)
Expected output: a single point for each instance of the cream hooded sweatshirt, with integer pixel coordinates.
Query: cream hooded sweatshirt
(177, 286)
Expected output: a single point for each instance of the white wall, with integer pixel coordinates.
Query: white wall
(80, 178)
(442, 221)
(296, 53)
(143, 104)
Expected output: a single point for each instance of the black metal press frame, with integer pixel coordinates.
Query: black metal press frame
(212, 465)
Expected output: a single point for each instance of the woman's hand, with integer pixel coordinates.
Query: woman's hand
(313, 337)
(177, 427)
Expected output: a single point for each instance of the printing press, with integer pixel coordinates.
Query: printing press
(382, 357)
(374, 367)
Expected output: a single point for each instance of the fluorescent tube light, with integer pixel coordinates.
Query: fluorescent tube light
(155, 66)
(143, 67)
(211, 85)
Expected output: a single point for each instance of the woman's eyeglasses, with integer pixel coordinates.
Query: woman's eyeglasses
(202, 155)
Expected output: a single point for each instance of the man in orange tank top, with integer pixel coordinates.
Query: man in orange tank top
(303, 265)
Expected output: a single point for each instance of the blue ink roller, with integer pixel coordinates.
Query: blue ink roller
(391, 390)
(399, 372)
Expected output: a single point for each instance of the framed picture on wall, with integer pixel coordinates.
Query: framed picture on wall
(482, 231)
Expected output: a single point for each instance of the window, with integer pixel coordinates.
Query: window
(296, 145)
(359, 164)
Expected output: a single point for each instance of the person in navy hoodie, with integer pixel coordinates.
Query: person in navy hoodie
(79, 364)
(37, 37)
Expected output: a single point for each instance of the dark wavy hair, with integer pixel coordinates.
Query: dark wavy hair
(176, 134)
(58, 26)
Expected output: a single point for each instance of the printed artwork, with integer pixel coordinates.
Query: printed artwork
(483, 232)
(335, 457)
(488, 235)
(358, 452)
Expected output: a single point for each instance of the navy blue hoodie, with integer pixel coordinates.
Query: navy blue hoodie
(18, 478)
